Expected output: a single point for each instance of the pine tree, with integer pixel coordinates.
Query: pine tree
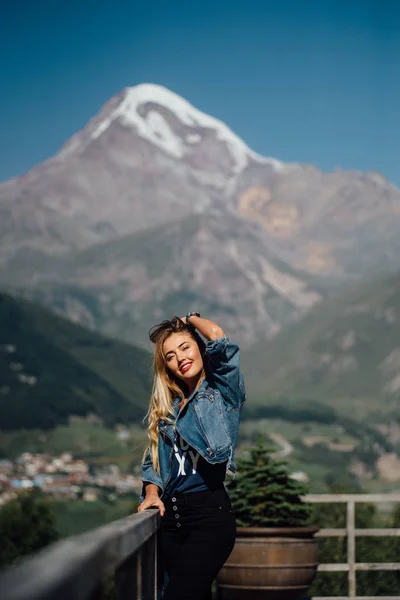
(264, 494)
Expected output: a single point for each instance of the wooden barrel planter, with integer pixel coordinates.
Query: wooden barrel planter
(271, 563)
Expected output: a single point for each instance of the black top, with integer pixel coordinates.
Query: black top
(191, 472)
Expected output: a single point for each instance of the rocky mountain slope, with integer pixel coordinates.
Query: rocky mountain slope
(346, 353)
(154, 207)
(51, 369)
(213, 262)
(340, 226)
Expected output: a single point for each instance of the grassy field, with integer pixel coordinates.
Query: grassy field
(89, 441)
(315, 450)
(249, 430)
(100, 446)
(312, 450)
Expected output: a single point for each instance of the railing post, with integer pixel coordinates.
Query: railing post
(127, 584)
(149, 569)
(351, 547)
(97, 593)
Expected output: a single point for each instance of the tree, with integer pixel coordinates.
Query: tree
(264, 494)
(27, 524)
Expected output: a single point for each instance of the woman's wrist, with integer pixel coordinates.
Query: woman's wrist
(208, 329)
(189, 315)
(151, 490)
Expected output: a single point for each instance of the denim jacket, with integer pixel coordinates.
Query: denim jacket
(209, 421)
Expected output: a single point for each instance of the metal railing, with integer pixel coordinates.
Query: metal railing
(352, 533)
(74, 569)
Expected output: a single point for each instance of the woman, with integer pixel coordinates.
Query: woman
(194, 415)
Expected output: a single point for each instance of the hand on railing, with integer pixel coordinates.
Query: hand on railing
(152, 501)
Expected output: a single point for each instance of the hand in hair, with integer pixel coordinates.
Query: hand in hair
(174, 325)
(208, 329)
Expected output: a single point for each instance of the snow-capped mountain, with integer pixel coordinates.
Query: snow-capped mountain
(151, 181)
(146, 158)
(172, 124)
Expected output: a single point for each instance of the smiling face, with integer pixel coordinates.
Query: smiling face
(183, 358)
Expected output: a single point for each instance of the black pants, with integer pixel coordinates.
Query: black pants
(197, 535)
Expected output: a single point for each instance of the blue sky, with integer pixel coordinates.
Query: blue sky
(306, 81)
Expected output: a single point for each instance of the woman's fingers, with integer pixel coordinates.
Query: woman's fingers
(145, 504)
(152, 502)
(161, 507)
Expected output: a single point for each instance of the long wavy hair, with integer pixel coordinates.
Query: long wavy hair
(166, 386)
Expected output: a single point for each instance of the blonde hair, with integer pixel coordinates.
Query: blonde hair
(166, 387)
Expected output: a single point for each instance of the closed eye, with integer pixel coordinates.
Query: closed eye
(171, 354)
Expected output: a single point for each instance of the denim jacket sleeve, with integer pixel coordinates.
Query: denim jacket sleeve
(224, 363)
(149, 475)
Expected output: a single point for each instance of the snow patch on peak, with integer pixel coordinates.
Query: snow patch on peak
(155, 128)
(193, 138)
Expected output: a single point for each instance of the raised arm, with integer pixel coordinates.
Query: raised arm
(208, 329)
(224, 362)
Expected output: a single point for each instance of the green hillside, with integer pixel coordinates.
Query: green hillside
(51, 369)
(329, 385)
(346, 353)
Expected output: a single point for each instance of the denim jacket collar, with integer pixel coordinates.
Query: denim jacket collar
(203, 384)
